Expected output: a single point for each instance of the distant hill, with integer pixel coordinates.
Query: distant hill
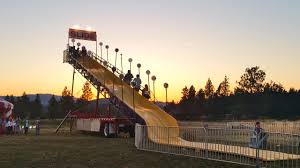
(44, 98)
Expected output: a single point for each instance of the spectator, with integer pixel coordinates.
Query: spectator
(137, 82)
(257, 128)
(13, 126)
(8, 126)
(26, 126)
(261, 136)
(146, 92)
(128, 77)
(17, 127)
(37, 127)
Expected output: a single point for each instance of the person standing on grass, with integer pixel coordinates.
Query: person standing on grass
(17, 127)
(7, 126)
(37, 127)
(26, 126)
(13, 126)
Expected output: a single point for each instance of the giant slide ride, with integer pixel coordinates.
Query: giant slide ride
(154, 116)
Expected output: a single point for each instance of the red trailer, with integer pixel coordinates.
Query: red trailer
(106, 125)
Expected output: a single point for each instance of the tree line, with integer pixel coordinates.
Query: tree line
(24, 108)
(252, 98)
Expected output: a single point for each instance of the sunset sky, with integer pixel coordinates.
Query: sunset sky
(182, 42)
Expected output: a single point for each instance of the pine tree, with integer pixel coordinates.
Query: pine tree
(66, 102)
(53, 108)
(12, 99)
(201, 96)
(223, 89)
(191, 93)
(185, 93)
(24, 106)
(87, 93)
(209, 89)
(37, 107)
(6, 98)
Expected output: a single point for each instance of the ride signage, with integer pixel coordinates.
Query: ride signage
(82, 34)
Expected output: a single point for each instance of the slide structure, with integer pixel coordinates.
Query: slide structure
(155, 117)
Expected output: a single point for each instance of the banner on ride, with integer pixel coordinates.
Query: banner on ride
(82, 34)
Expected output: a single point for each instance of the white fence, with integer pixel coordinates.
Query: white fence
(289, 127)
(279, 150)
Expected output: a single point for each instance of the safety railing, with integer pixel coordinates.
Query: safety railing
(276, 150)
(290, 127)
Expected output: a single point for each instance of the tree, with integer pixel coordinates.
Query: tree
(66, 92)
(87, 93)
(185, 93)
(252, 80)
(25, 106)
(6, 98)
(12, 99)
(201, 96)
(66, 102)
(209, 89)
(53, 107)
(37, 107)
(272, 87)
(223, 89)
(191, 93)
(292, 91)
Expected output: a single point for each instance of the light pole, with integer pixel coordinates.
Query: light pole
(116, 50)
(139, 67)
(133, 86)
(107, 47)
(121, 62)
(130, 61)
(122, 77)
(153, 79)
(148, 74)
(101, 44)
(166, 85)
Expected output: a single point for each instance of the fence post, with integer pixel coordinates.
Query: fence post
(206, 143)
(168, 135)
(257, 151)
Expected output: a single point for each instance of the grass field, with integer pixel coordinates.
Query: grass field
(78, 150)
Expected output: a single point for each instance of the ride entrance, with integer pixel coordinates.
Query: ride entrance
(161, 132)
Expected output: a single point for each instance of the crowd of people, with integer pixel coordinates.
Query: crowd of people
(77, 52)
(136, 84)
(128, 78)
(14, 126)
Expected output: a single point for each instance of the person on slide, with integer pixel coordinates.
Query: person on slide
(146, 92)
(128, 77)
(137, 82)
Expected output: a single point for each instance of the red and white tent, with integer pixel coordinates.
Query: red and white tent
(5, 108)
